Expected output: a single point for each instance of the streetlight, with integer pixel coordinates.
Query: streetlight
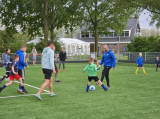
(118, 39)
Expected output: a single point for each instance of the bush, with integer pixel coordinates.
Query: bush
(144, 44)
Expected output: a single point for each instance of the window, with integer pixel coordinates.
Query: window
(122, 35)
(106, 36)
(114, 44)
(115, 35)
(126, 33)
(85, 34)
(101, 35)
(93, 35)
(111, 34)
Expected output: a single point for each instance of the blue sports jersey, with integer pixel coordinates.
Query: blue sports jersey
(157, 61)
(108, 59)
(140, 61)
(14, 64)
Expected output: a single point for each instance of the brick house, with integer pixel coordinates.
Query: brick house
(132, 29)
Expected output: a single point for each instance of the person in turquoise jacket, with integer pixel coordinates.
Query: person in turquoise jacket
(48, 68)
(139, 63)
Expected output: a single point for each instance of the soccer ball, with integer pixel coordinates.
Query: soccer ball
(92, 87)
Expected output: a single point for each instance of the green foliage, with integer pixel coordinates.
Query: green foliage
(144, 44)
(15, 41)
(8, 40)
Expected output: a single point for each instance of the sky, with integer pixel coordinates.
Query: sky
(145, 19)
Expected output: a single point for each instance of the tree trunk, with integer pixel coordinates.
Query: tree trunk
(45, 23)
(52, 33)
(96, 39)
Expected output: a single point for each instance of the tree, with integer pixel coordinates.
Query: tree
(38, 16)
(153, 6)
(102, 15)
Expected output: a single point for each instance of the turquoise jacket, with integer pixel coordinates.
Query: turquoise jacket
(47, 60)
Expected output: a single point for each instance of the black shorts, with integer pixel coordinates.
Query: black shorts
(21, 73)
(158, 65)
(140, 65)
(47, 73)
(95, 78)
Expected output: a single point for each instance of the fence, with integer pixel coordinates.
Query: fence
(71, 57)
(148, 57)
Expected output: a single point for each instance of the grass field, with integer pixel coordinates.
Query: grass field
(130, 97)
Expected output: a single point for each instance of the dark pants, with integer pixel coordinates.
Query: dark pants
(105, 73)
(63, 62)
(157, 66)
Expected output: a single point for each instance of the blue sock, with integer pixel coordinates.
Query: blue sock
(87, 88)
(103, 87)
(21, 87)
(23, 80)
(4, 86)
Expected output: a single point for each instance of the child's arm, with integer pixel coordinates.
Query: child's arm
(85, 69)
(13, 70)
(96, 69)
(137, 61)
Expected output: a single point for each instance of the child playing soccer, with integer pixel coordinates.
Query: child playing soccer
(13, 75)
(157, 63)
(140, 63)
(8, 70)
(92, 69)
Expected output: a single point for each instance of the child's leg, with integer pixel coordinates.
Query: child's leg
(156, 67)
(88, 85)
(143, 70)
(137, 70)
(7, 84)
(102, 85)
(10, 83)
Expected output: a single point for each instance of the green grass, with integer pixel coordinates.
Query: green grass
(130, 97)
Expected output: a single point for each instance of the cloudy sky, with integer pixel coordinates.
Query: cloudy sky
(145, 20)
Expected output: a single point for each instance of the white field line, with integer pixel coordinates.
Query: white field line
(23, 95)
(32, 86)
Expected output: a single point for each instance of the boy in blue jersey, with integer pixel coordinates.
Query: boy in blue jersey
(140, 63)
(21, 64)
(157, 62)
(13, 75)
(109, 61)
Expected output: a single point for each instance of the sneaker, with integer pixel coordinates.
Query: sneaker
(38, 96)
(145, 73)
(135, 73)
(0, 80)
(20, 91)
(52, 95)
(58, 70)
(63, 70)
(25, 91)
(57, 81)
(98, 84)
(1, 89)
(108, 87)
